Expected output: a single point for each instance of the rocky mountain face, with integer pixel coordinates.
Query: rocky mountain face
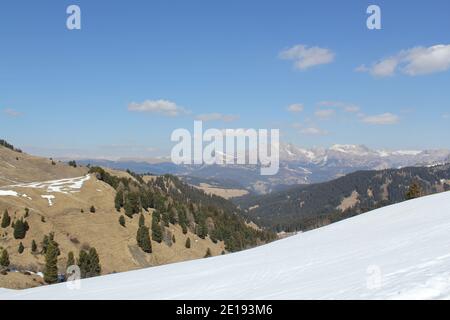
(297, 166)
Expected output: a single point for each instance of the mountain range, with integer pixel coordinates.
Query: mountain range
(297, 166)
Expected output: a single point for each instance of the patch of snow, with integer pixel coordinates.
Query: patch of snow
(70, 185)
(49, 199)
(4, 193)
(26, 196)
(396, 252)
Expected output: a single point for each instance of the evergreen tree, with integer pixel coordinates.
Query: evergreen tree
(46, 242)
(70, 260)
(92, 209)
(143, 239)
(89, 263)
(173, 239)
(141, 220)
(414, 191)
(208, 253)
(27, 212)
(21, 248)
(118, 200)
(122, 221)
(6, 220)
(33, 246)
(156, 230)
(165, 219)
(188, 243)
(202, 229)
(4, 259)
(83, 263)
(20, 229)
(94, 259)
(51, 261)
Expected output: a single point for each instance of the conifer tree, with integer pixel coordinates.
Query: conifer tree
(188, 243)
(143, 239)
(70, 260)
(33, 246)
(156, 230)
(51, 261)
(6, 220)
(165, 219)
(21, 248)
(94, 260)
(208, 253)
(20, 229)
(4, 259)
(83, 263)
(118, 200)
(141, 220)
(122, 221)
(89, 263)
(92, 209)
(202, 229)
(173, 239)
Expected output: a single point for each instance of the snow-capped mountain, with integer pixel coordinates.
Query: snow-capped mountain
(397, 252)
(297, 165)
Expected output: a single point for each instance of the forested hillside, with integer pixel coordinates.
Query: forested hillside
(311, 206)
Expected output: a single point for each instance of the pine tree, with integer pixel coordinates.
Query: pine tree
(83, 263)
(6, 220)
(92, 209)
(21, 248)
(89, 263)
(141, 220)
(173, 239)
(27, 212)
(156, 230)
(208, 253)
(94, 259)
(4, 259)
(188, 243)
(122, 221)
(33, 246)
(202, 229)
(165, 219)
(118, 200)
(414, 191)
(143, 239)
(51, 261)
(70, 260)
(20, 229)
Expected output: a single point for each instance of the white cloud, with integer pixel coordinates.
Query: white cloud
(164, 107)
(305, 57)
(381, 119)
(325, 113)
(347, 107)
(446, 116)
(297, 107)
(217, 117)
(12, 113)
(412, 62)
(313, 131)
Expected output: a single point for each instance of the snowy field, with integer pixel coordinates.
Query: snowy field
(397, 252)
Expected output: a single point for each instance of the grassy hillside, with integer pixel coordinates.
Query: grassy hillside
(311, 206)
(80, 207)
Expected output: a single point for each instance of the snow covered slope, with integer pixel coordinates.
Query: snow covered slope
(397, 252)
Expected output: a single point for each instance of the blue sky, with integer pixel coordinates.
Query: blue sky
(238, 64)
